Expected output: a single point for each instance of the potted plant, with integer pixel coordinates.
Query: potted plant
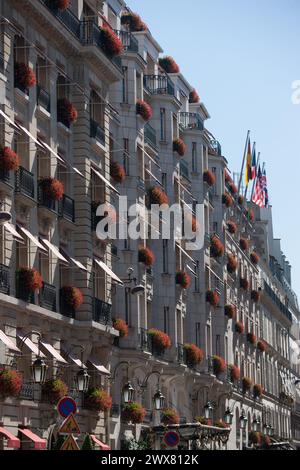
(254, 438)
(25, 77)
(52, 188)
(157, 196)
(232, 263)
(133, 412)
(244, 244)
(179, 147)
(232, 188)
(72, 297)
(265, 441)
(194, 98)
(261, 346)
(110, 42)
(121, 326)
(239, 327)
(202, 420)
(66, 112)
(251, 338)
(213, 298)
(29, 281)
(117, 172)
(244, 283)
(88, 443)
(255, 296)
(169, 416)
(235, 372)
(133, 21)
(98, 399)
(169, 65)
(227, 200)
(254, 257)
(216, 247)
(194, 355)
(160, 340)
(144, 110)
(146, 256)
(60, 4)
(257, 390)
(231, 227)
(246, 384)
(9, 160)
(230, 311)
(221, 424)
(219, 365)
(55, 389)
(11, 382)
(183, 279)
(209, 177)
(250, 215)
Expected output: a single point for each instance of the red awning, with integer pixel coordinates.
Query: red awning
(12, 441)
(39, 444)
(99, 443)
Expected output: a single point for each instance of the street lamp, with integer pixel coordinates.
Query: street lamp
(256, 424)
(82, 381)
(158, 400)
(243, 420)
(39, 371)
(127, 393)
(208, 410)
(228, 416)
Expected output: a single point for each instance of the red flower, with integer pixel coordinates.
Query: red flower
(61, 4)
(144, 110)
(9, 160)
(146, 256)
(133, 412)
(244, 283)
(261, 346)
(232, 188)
(194, 97)
(235, 373)
(121, 326)
(213, 298)
(219, 365)
(255, 296)
(244, 244)
(228, 178)
(133, 21)
(29, 279)
(265, 441)
(179, 147)
(111, 44)
(98, 399)
(230, 311)
(66, 112)
(246, 384)
(52, 188)
(209, 177)
(227, 200)
(72, 296)
(232, 227)
(169, 417)
(117, 172)
(11, 383)
(24, 76)
(251, 338)
(257, 391)
(216, 247)
(241, 200)
(254, 438)
(160, 340)
(254, 257)
(250, 215)
(194, 355)
(157, 196)
(55, 389)
(232, 263)
(183, 279)
(239, 327)
(169, 65)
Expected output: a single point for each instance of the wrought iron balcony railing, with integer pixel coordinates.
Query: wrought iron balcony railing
(48, 297)
(45, 201)
(150, 135)
(43, 98)
(191, 121)
(5, 176)
(97, 132)
(284, 310)
(102, 312)
(66, 208)
(64, 307)
(4, 279)
(147, 344)
(159, 85)
(27, 391)
(129, 42)
(24, 182)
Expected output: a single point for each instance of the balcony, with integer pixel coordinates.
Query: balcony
(191, 121)
(65, 308)
(43, 98)
(66, 208)
(47, 297)
(146, 344)
(27, 391)
(24, 182)
(5, 176)
(150, 135)
(45, 201)
(159, 85)
(4, 279)
(271, 294)
(97, 132)
(129, 42)
(215, 148)
(102, 312)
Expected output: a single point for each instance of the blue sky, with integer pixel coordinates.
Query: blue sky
(243, 56)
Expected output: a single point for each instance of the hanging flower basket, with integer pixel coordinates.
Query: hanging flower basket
(54, 390)
(251, 338)
(232, 188)
(160, 340)
(254, 438)
(66, 112)
(265, 441)
(72, 297)
(254, 257)
(244, 283)
(146, 256)
(193, 223)
(121, 326)
(179, 147)
(220, 424)
(11, 382)
(169, 65)
(194, 355)
(98, 399)
(250, 215)
(244, 244)
(232, 263)
(25, 77)
(239, 327)
(9, 160)
(144, 110)
(257, 391)
(60, 4)
(133, 412)
(216, 247)
(52, 188)
(219, 365)
(183, 279)
(213, 298)
(29, 280)
(157, 196)
(246, 384)
(168, 417)
(230, 311)
(117, 172)
(232, 227)
(227, 200)
(110, 43)
(235, 373)
(133, 21)
(194, 97)
(241, 200)
(262, 346)
(209, 177)
(255, 296)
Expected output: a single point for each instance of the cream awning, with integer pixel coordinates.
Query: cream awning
(73, 260)
(54, 250)
(55, 354)
(33, 347)
(99, 367)
(34, 240)
(108, 271)
(8, 342)
(13, 231)
(108, 183)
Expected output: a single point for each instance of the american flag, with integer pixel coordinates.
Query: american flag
(259, 193)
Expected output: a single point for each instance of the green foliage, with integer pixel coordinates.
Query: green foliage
(87, 443)
(133, 444)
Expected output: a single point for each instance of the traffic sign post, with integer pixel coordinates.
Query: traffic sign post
(66, 406)
(69, 426)
(171, 439)
(70, 444)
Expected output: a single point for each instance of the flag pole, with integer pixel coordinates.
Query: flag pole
(254, 182)
(244, 158)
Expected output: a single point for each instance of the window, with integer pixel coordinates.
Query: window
(99, 283)
(197, 277)
(166, 319)
(138, 86)
(194, 157)
(125, 85)
(218, 345)
(62, 87)
(96, 108)
(162, 124)
(198, 334)
(41, 72)
(44, 267)
(214, 188)
(165, 256)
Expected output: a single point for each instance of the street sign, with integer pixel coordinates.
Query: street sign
(70, 444)
(171, 439)
(69, 426)
(66, 406)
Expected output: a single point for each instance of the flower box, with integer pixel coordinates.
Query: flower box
(219, 365)
(227, 200)
(216, 247)
(110, 43)
(246, 384)
(133, 412)
(235, 373)
(146, 256)
(144, 110)
(117, 172)
(194, 98)
(25, 77)
(194, 355)
(232, 227)
(254, 438)
(133, 21)
(254, 257)
(209, 177)
(9, 160)
(261, 346)
(232, 263)
(160, 340)
(183, 279)
(54, 390)
(98, 399)
(72, 297)
(244, 244)
(250, 215)
(230, 311)
(239, 327)
(157, 196)
(179, 147)
(169, 417)
(121, 326)
(29, 280)
(169, 65)
(213, 298)
(66, 112)
(52, 188)
(251, 338)
(257, 390)
(11, 382)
